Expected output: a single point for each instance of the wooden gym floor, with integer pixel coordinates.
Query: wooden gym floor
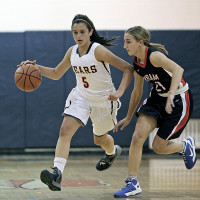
(161, 177)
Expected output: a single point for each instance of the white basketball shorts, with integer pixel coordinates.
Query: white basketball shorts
(102, 113)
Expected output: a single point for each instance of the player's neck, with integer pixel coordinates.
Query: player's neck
(141, 55)
(83, 49)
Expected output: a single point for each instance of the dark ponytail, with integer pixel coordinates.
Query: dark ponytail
(79, 18)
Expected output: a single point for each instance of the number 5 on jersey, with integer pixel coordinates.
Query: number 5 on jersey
(85, 83)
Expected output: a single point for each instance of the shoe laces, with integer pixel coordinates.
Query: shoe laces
(105, 160)
(128, 182)
(184, 157)
(183, 153)
(57, 176)
(55, 170)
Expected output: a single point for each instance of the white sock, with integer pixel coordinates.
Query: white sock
(112, 153)
(183, 146)
(60, 163)
(130, 176)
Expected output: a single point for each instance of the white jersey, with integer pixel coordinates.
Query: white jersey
(93, 78)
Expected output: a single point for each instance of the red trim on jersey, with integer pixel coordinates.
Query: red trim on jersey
(185, 118)
(183, 81)
(145, 60)
(141, 104)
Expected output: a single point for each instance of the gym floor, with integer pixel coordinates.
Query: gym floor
(161, 177)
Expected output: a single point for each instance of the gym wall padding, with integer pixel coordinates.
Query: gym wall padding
(44, 106)
(33, 120)
(12, 109)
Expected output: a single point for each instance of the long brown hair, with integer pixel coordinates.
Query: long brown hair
(140, 33)
(95, 37)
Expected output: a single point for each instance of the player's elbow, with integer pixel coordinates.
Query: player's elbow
(182, 70)
(56, 78)
(57, 75)
(129, 68)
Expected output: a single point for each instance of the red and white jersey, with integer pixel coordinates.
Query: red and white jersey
(93, 78)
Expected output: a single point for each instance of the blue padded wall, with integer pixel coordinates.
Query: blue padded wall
(44, 105)
(12, 108)
(31, 120)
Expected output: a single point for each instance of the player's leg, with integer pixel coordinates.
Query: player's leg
(53, 179)
(144, 126)
(111, 151)
(162, 146)
(68, 128)
(76, 113)
(186, 148)
(106, 141)
(103, 117)
(172, 127)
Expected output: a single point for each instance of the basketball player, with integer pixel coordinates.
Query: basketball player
(168, 106)
(94, 96)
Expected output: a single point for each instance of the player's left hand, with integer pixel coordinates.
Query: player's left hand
(170, 104)
(27, 62)
(115, 95)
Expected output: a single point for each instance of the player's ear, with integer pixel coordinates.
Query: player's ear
(141, 42)
(91, 32)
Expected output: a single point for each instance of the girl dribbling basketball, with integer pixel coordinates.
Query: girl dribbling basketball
(94, 95)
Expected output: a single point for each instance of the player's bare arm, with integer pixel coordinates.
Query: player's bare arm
(136, 95)
(160, 60)
(134, 101)
(57, 72)
(104, 55)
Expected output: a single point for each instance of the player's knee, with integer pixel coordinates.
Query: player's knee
(65, 131)
(137, 140)
(99, 140)
(159, 149)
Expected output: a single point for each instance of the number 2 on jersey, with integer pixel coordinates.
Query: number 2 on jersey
(159, 86)
(85, 83)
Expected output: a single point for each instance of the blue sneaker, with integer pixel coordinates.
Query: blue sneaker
(132, 188)
(189, 154)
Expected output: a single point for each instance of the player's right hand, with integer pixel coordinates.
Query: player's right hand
(124, 122)
(170, 104)
(27, 62)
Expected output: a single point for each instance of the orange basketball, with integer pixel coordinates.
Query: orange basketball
(28, 77)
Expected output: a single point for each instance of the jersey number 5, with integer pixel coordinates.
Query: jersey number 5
(85, 83)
